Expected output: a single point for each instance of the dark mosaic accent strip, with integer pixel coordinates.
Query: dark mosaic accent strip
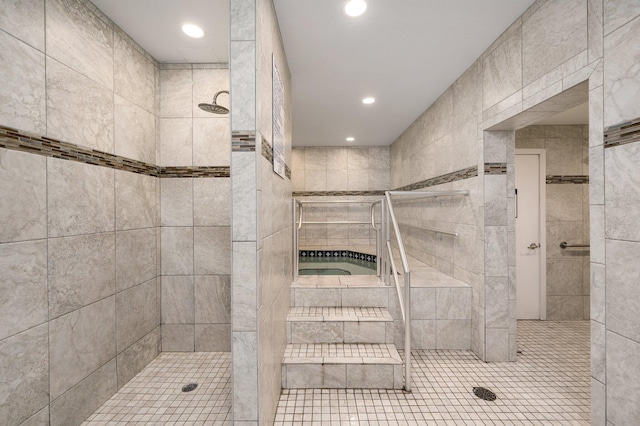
(267, 152)
(336, 193)
(315, 254)
(22, 141)
(574, 179)
(194, 172)
(622, 134)
(467, 173)
(243, 141)
(495, 168)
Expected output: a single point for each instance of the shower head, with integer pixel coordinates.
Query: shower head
(213, 107)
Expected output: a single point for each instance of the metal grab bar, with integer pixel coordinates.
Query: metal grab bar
(564, 245)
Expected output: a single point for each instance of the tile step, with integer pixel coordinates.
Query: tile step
(343, 313)
(342, 366)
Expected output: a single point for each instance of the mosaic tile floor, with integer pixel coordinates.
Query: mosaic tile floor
(549, 385)
(330, 313)
(155, 397)
(332, 353)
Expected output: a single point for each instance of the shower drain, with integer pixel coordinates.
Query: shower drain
(189, 387)
(485, 394)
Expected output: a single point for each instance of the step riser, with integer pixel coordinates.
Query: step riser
(328, 297)
(342, 376)
(340, 332)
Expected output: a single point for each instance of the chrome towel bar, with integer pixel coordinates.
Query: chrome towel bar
(565, 245)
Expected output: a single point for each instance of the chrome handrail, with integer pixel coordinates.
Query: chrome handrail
(378, 241)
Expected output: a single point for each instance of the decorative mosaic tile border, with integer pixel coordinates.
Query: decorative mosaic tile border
(336, 193)
(338, 253)
(243, 141)
(622, 134)
(495, 168)
(267, 152)
(467, 173)
(41, 145)
(567, 179)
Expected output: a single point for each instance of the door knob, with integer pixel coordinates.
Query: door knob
(533, 246)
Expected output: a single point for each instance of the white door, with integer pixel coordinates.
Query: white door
(528, 237)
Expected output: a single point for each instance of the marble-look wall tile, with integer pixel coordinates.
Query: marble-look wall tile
(245, 375)
(41, 418)
(623, 364)
(176, 202)
(23, 191)
(136, 200)
(566, 21)
(136, 256)
(502, 71)
(80, 198)
(134, 74)
(178, 338)
(453, 334)
(597, 234)
(596, 175)
(564, 202)
(622, 183)
(23, 286)
(564, 277)
(496, 251)
(243, 85)
(81, 342)
(24, 368)
(177, 300)
(177, 251)
(176, 88)
(213, 299)
(565, 308)
(213, 338)
(73, 98)
(497, 302)
(135, 131)
(598, 403)
(135, 313)
(176, 142)
(212, 250)
(495, 200)
(622, 291)
(467, 94)
(621, 56)
(78, 38)
(81, 271)
(497, 344)
(598, 348)
(211, 142)
(244, 286)
(618, 13)
(597, 292)
(24, 19)
(595, 21)
(453, 303)
(22, 94)
(244, 197)
(243, 20)
(137, 356)
(83, 399)
(212, 202)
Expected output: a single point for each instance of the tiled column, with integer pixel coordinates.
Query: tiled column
(244, 324)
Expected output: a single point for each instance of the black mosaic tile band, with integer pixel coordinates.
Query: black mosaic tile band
(622, 134)
(495, 168)
(243, 141)
(41, 145)
(467, 173)
(314, 254)
(336, 193)
(567, 179)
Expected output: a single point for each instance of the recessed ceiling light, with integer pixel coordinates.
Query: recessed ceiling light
(368, 101)
(355, 8)
(351, 139)
(192, 30)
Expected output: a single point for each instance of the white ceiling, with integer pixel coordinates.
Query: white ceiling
(156, 26)
(403, 53)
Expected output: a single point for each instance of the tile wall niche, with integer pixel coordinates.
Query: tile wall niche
(80, 240)
(195, 224)
(567, 153)
(261, 225)
(350, 171)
